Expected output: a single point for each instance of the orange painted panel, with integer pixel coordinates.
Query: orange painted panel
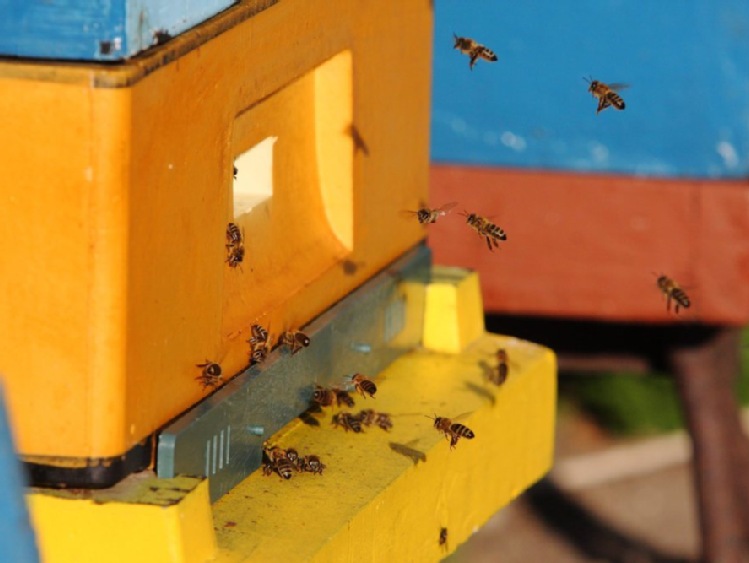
(118, 186)
(586, 246)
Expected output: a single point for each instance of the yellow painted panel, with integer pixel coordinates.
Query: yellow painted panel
(453, 312)
(118, 186)
(385, 495)
(159, 520)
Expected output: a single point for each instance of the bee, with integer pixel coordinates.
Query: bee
(324, 397)
(443, 537)
(258, 344)
(606, 94)
(383, 421)
(293, 456)
(425, 215)
(278, 461)
(367, 417)
(294, 340)
(485, 228)
(452, 431)
(364, 385)
(672, 291)
(236, 170)
(233, 235)
(499, 375)
(348, 421)
(236, 255)
(342, 397)
(312, 464)
(161, 36)
(210, 375)
(474, 50)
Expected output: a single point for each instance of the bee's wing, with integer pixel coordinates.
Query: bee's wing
(444, 209)
(616, 86)
(408, 214)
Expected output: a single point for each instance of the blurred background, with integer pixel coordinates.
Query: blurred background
(595, 206)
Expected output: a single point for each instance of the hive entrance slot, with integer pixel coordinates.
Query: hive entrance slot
(254, 178)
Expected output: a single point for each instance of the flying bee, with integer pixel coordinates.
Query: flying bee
(364, 385)
(425, 215)
(294, 340)
(606, 94)
(312, 464)
(348, 421)
(474, 50)
(672, 291)
(259, 347)
(499, 375)
(452, 431)
(210, 375)
(485, 228)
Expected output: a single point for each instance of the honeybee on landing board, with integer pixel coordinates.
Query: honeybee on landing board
(485, 228)
(278, 461)
(294, 340)
(453, 431)
(210, 375)
(425, 215)
(312, 464)
(606, 94)
(672, 291)
(348, 421)
(474, 50)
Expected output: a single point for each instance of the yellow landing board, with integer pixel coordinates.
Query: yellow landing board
(385, 496)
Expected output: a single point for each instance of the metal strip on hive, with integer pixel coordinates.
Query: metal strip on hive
(222, 436)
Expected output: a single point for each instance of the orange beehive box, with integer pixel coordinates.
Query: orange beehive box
(118, 187)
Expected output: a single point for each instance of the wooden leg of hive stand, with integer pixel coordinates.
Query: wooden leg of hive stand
(705, 363)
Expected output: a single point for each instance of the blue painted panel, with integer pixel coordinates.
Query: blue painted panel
(95, 30)
(18, 545)
(687, 65)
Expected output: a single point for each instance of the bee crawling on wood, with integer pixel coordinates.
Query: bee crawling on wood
(474, 50)
(277, 459)
(673, 292)
(235, 245)
(485, 228)
(210, 375)
(452, 431)
(259, 344)
(348, 421)
(606, 94)
(325, 397)
(443, 538)
(364, 385)
(368, 417)
(311, 464)
(425, 215)
(294, 340)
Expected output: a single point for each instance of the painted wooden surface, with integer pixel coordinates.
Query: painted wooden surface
(95, 30)
(128, 185)
(687, 110)
(588, 246)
